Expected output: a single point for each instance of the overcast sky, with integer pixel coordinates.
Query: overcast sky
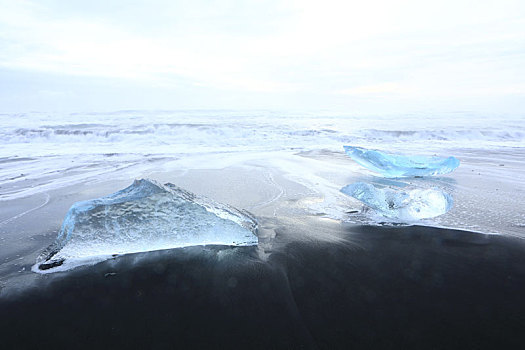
(374, 56)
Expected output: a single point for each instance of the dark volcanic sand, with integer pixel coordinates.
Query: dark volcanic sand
(403, 288)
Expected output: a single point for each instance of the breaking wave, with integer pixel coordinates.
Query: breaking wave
(444, 135)
(240, 134)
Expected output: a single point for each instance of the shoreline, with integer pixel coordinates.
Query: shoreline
(285, 189)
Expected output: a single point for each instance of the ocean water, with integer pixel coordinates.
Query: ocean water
(46, 151)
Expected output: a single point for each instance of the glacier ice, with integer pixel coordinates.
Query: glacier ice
(402, 204)
(145, 216)
(391, 165)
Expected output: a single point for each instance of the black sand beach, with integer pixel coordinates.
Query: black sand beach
(375, 288)
(312, 281)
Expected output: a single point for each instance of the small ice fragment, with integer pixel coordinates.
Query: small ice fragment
(145, 216)
(404, 205)
(392, 165)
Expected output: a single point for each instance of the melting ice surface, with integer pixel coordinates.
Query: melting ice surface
(403, 205)
(390, 165)
(145, 216)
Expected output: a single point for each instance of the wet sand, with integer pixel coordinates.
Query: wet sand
(376, 287)
(312, 282)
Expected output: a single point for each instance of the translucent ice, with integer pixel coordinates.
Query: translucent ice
(391, 165)
(404, 205)
(145, 216)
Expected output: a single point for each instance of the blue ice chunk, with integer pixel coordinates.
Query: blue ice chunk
(401, 204)
(393, 165)
(145, 216)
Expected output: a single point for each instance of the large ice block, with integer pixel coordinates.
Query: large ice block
(403, 204)
(392, 165)
(145, 216)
